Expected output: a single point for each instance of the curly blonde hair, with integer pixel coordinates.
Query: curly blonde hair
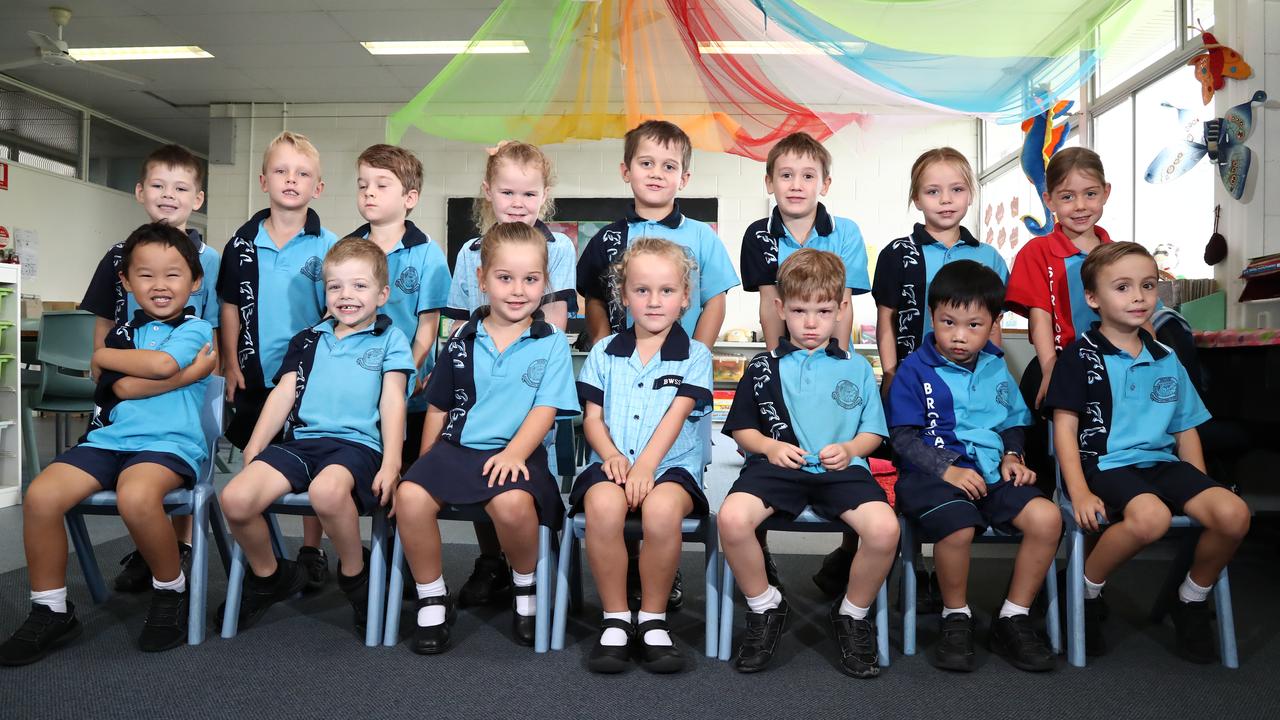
(672, 252)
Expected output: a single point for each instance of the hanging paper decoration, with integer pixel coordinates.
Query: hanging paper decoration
(1217, 63)
(1044, 137)
(1222, 140)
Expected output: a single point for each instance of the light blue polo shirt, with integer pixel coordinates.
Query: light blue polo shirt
(465, 296)
(169, 422)
(106, 296)
(768, 243)
(635, 396)
(966, 248)
(487, 394)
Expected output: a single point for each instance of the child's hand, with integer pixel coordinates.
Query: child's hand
(502, 466)
(1012, 470)
(95, 370)
(205, 363)
(785, 455)
(1044, 389)
(616, 468)
(421, 384)
(834, 457)
(384, 484)
(967, 480)
(639, 483)
(251, 451)
(235, 380)
(1088, 508)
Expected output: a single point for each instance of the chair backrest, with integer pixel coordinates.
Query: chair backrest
(66, 339)
(211, 422)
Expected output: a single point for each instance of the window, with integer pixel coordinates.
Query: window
(1134, 38)
(1113, 140)
(39, 132)
(116, 153)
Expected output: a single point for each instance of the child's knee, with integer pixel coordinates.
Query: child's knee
(1231, 518)
(1147, 521)
(660, 519)
(961, 538)
(879, 532)
(133, 499)
(237, 501)
(329, 495)
(1041, 520)
(43, 501)
(606, 511)
(736, 523)
(513, 509)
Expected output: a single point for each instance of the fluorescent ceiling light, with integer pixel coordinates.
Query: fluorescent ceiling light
(188, 52)
(448, 47)
(778, 47)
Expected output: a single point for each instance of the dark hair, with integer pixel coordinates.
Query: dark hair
(667, 134)
(162, 233)
(1105, 256)
(1073, 158)
(964, 283)
(397, 161)
(174, 157)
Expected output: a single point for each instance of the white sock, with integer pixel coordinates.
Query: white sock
(1010, 608)
(1189, 591)
(431, 614)
(767, 600)
(178, 584)
(1092, 589)
(956, 611)
(526, 605)
(615, 637)
(653, 637)
(55, 600)
(853, 611)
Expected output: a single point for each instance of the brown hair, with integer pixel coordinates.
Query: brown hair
(811, 274)
(666, 249)
(396, 160)
(666, 134)
(802, 145)
(1075, 158)
(174, 157)
(511, 233)
(1105, 256)
(298, 142)
(355, 247)
(937, 155)
(522, 155)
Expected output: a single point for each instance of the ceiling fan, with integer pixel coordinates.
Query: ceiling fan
(56, 53)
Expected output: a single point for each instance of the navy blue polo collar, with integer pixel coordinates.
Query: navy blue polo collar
(546, 231)
(412, 235)
(330, 325)
(249, 230)
(140, 318)
(674, 347)
(786, 348)
(931, 356)
(539, 329)
(922, 236)
(196, 238)
(822, 223)
(673, 221)
(1105, 346)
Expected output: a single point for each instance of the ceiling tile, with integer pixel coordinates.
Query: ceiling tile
(258, 28)
(299, 55)
(453, 24)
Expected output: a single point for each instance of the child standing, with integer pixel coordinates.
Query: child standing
(339, 398)
(1125, 416)
(501, 382)
(643, 391)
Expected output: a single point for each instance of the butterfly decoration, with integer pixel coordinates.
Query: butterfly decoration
(1043, 138)
(1217, 63)
(1222, 139)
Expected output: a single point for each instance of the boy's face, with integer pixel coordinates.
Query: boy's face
(655, 174)
(1125, 292)
(961, 331)
(352, 293)
(654, 293)
(944, 196)
(169, 194)
(1077, 202)
(380, 197)
(515, 281)
(160, 280)
(292, 180)
(810, 322)
(517, 192)
(796, 184)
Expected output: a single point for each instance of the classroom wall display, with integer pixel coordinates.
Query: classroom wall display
(1217, 63)
(1045, 135)
(1221, 140)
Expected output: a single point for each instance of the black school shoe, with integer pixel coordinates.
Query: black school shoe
(316, 563)
(833, 577)
(1016, 640)
(260, 593)
(859, 656)
(611, 659)
(764, 630)
(166, 624)
(1197, 641)
(675, 600)
(770, 570)
(523, 627)
(490, 582)
(434, 639)
(41, 632)
(659, 659)
(356, 588)
(954, 650)
(1095, 614)
(136, 575)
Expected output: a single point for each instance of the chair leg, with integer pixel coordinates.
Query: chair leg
(218, 527)
(1075, 599)
(711, 580)
(726, 611)
(235, 583)
(277, 537)
(907, 549)
(576, 602)
(1226, 622)
(1178, 569)
(30, 448)
(197, 588)
(395, 594)
(1051, 615)
(560, 616)
(882, 624)
(542, 617)
(377, 579)
(88, 561)
(220, 464)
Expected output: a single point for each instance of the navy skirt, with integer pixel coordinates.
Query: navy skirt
(452, 474)
(594, 474)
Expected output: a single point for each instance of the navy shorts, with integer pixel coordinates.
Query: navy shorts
(106, 465)
(1173, 482)
(452, 475)
(301, 460)
(789, 491)
(940, 508)
(594, 474)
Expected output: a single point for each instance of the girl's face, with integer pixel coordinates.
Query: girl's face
(944, 196)
(1077, 202)
(655, 293)
(516, 193)
(515, 281)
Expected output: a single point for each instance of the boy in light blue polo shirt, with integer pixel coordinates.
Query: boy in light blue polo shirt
(145, 440)
(807, 414)
(340, 400)
(1125, 416)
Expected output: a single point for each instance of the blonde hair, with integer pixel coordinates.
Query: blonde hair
(802, 145)
(669, 251)
(355, 247)
(522, 155)
(937, 155)
(298, 142)
(809, 274)
(511, 233)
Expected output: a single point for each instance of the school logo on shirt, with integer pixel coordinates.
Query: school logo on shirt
(1165, 390)
(533, 375)
(846, 395)
(408, 281)
(371, 359)
(667, 381)
(1002, 395)
(768, 246)
(313, 268)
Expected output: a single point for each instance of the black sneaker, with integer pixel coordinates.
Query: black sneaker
(356, 589)
(1197, 640)
(316, 563)
(166, 624)
(954, 650)
(833, 577)
(42, 630)
(1095, 613)
(1016, 640)
(659, 659)
(433, 639)
(490, 582)
(260, 593)
(676, 600)
(857, 642)
(771, 569)
(763, 632)
(136, 575)
(612, 659)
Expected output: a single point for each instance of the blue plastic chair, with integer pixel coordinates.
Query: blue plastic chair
(807, 521)
(909, 545)
(300, 504)
(474, 514)
(569, 571)
(65, 352)
(200, 502)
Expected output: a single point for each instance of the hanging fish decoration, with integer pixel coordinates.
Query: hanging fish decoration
(1044, 137)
